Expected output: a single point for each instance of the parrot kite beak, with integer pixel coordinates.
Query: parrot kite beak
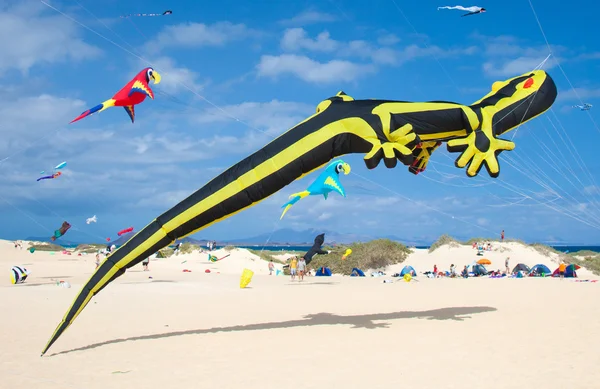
(346, 168)
(156, 77)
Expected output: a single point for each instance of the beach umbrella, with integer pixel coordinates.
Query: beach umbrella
(484, 261)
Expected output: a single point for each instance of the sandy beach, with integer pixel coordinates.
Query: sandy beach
(195, 329)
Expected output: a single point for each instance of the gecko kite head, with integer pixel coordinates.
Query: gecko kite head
(152, 74)
(483, 10)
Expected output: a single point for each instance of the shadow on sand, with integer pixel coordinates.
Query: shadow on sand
(317, 319)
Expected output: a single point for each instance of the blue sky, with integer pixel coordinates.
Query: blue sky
(238, 73)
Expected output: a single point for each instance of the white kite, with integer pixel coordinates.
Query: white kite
(584, 107)
(91, 220)
(471, 10)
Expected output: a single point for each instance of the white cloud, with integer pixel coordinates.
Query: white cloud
(511, 68)
(388, 40)
(191, 35)
(272, 117)
(309, 17)
(310, 70)
(509, 56)
(579, 93)
(295, 39)
(175, 78)
(31, 39)
(324, 216)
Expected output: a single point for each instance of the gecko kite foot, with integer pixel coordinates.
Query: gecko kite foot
(399, 148)
(422, 153)
(477, 149)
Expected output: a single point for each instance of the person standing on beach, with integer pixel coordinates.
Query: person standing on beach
(301, 268)
(502, 236)
(271, 267)
(293, 266)
(145, 262)
(97, 260)
(506, 262)
(561, 270)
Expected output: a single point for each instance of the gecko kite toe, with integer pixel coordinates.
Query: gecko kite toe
(478, 149)
(422, 153)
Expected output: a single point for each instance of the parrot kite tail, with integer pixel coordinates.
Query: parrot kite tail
(294, 199)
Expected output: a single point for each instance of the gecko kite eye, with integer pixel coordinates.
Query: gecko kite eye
(528, 83)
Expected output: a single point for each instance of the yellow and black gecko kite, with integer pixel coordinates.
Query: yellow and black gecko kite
(381, 129)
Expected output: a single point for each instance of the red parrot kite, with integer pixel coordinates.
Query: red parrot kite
(132, 94)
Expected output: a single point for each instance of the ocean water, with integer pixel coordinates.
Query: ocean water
(564, 249)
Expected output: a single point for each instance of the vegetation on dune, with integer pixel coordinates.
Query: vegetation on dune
(376, 254)
(41, 246)
(268, 255)
(229, 248)
(89, 248)
(442, 241)
(591, 261)
(188, 248)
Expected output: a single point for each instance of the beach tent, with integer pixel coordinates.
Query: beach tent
(540, 270)
(408, 270)
(570, 271)
(484, 261)
(323, 272)
(479, 270)
(521, 267)
(356, 272)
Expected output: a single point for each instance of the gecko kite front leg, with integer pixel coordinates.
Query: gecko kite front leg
(479, 148)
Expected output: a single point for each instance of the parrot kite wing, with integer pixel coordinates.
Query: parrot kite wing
(133, 93)
(385, 130)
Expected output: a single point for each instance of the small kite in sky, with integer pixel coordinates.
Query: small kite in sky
(52, 176)
(583, 107)
(125, 231)
(132, 94)
(471, 10)
(91, 220)
(61, 231)
(328, 181)
(167, 12)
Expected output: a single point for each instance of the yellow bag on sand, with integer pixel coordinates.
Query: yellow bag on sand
(407, 277)
(246, 278)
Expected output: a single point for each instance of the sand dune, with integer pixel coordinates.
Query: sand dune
(192, 330)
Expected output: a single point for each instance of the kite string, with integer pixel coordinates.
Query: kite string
(193, 91)
(422, 204)
(218, 107)
(539, 66)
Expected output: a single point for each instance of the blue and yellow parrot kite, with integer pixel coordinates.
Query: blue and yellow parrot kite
(328, 181)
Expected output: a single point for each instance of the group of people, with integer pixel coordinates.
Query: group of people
(211, 245)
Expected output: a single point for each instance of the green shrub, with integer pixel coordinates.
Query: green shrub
(442, 241)
(375, 254)
(40, 246)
